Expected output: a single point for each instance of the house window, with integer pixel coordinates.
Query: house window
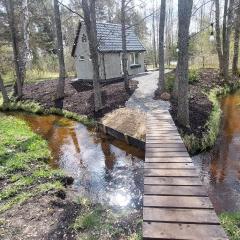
(84, 38)
(134, 58)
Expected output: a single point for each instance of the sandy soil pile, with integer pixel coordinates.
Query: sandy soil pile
(126, 120)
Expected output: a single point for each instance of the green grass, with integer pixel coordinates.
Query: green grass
(23, 166)
(231, 224)
(34, 107)
(95, 221)
(88, 220)
(195, 144)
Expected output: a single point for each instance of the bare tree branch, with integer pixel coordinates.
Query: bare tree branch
(68, 8)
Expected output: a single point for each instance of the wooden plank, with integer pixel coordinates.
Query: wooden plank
(170, 172)
(165, 141)
(175, 190)
(165, 145)
(176, 205)
(176, 231)
(173, 181)
(177, 202)
(169, 165)
(154, 154)
(201, 216)
(163, 138)
(168, 159)
(169, 149)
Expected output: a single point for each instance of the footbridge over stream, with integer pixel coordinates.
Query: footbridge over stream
(175, 203)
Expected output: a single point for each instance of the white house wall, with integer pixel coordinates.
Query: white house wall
(111, 61)
(84, 67)
(112, 66)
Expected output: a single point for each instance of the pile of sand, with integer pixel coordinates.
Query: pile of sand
(128, 121)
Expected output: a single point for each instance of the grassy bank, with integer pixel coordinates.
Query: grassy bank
(231, 224)
(94, 222)
(34, 107)
(24, 172)
(212, 126)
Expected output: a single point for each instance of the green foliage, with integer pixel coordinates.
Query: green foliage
(193, 76)
(169, 82)
(22, 164)
(231, 224)
(88, 220)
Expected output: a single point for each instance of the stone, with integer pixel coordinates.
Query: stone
(165, 96)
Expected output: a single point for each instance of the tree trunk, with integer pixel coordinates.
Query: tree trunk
(161, 82)
(154, 38)
(62, 72)
(26, 52)
(184, 17)
(15, 45)
(175, 84)
(124, 46)
(236, 41)
(227, 27)
(224, 45)
(218, 36)
(90, 22)
(3, 90)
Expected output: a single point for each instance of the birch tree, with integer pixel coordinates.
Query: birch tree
(184, 17)
(3, 90)
(154, 36)
(161, 82)
(62, 71)
(236, 40)
(90, 22)
(26, 52)
(124, 44)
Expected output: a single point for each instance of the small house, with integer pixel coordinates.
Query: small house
(110, 52)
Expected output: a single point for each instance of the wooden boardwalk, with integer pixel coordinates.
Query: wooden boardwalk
(175, 203)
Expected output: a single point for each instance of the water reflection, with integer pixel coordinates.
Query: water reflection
(220, 168)
(106, 170)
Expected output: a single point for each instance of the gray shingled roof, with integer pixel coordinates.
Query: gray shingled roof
(110, 38)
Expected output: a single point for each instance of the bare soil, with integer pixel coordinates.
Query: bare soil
(42, 217)
(79, 96)
(199, 105)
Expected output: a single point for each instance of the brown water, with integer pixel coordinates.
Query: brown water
(220, 168)
(105, 170)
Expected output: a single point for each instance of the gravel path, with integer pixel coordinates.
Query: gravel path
(142, 98)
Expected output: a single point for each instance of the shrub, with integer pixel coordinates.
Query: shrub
(193, 76)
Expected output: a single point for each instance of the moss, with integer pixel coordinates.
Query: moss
(231, 224)
(22, 165)
(195, 144)
(34, 107)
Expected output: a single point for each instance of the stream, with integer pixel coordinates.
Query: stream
(219, 169)
(111, 172)
(105, 170)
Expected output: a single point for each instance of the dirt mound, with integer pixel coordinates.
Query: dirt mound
(126, 120)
